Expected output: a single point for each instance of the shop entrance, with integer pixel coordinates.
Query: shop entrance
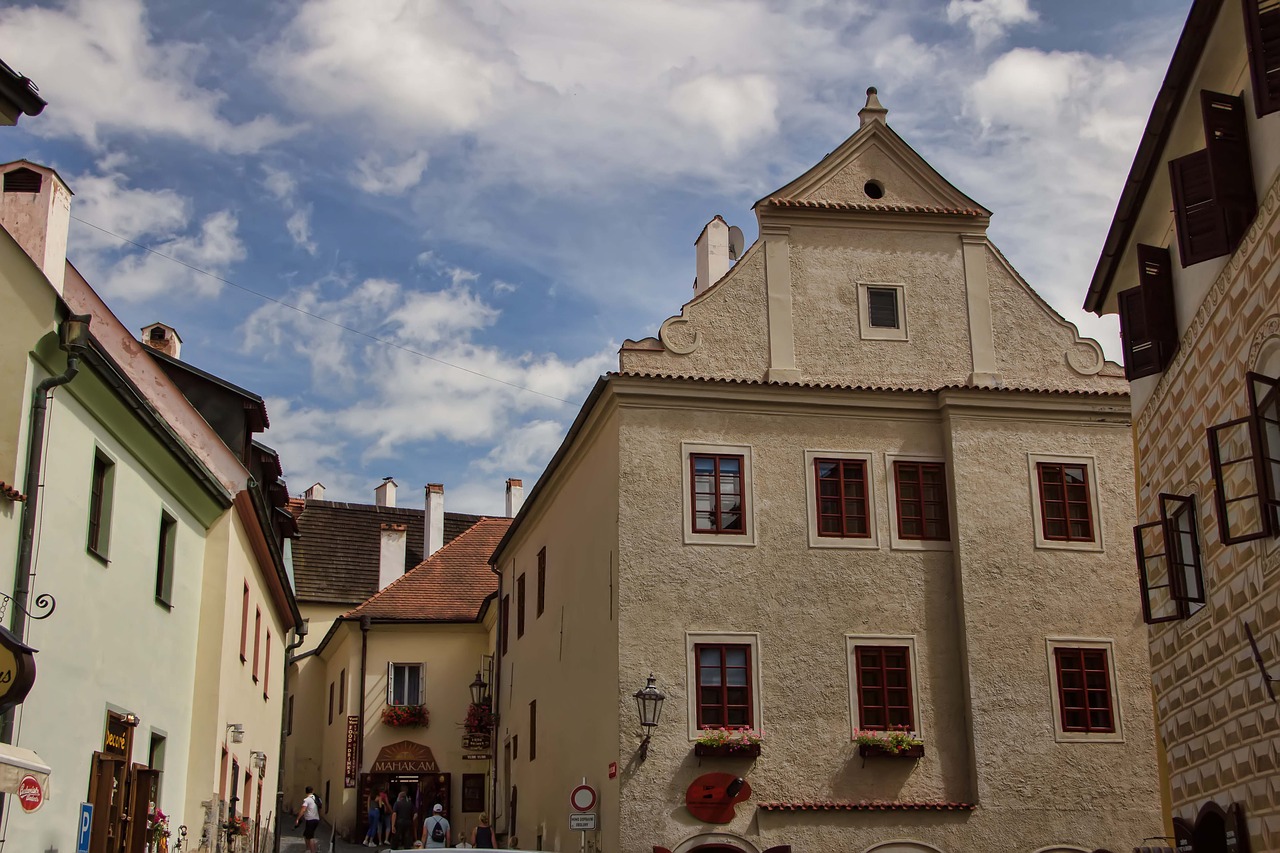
(424, 790)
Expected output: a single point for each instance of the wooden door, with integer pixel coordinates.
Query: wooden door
(106, 791)
(142, 780)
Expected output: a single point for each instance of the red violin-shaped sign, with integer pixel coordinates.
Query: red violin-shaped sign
(712, 797)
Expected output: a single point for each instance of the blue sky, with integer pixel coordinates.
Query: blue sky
(515, 187)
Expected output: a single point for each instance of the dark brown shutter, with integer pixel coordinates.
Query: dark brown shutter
(1262, 34)
(1141, 352)
(1158, 601)
(1238, 479)
(1202, 232)
(1155, 276)
(141, 785)
(1264, 408)
(1226, 138)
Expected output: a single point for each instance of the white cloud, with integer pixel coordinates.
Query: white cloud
(988, 20)
(736, 109)
(377, 177)
(135, 214)
(525, 450)
(284, 187)
(103, 73)
(214, 248)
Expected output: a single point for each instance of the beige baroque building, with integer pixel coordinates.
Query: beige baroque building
(867, 479)
(1190, 266)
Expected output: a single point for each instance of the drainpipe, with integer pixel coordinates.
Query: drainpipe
(496, 687)
(300, 636)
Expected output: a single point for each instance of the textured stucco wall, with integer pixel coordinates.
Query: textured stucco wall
(873, 163)
(567, 659)
(1032, 791)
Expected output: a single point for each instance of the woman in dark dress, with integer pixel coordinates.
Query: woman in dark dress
(482, 835)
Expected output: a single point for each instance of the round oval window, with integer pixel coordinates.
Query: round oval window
(873, 189)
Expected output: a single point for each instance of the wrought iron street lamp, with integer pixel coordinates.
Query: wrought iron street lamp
(649, 701)
(479, 690)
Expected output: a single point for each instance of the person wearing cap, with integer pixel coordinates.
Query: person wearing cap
(435, 829)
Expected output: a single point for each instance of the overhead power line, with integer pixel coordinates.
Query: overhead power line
(322, 319)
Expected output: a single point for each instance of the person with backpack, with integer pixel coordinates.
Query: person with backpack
(435, 829)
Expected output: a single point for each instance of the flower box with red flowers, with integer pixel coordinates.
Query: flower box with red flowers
(891, 743)
(405, 715)
(479, 719)
(728, 743)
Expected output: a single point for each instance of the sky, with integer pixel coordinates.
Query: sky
(422, 228)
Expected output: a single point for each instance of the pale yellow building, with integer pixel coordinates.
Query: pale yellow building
(1190, 265)
(865, 481)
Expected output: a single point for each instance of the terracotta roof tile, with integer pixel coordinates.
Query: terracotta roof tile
(868, 806)
(449, 586)
(920, 389)
(336, 554)
(814, 204)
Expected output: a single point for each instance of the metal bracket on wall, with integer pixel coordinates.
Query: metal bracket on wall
(45, 605)
(1262, 665)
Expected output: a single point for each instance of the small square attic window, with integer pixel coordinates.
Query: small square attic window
(22, 180)
(882, 307)
(881, 313)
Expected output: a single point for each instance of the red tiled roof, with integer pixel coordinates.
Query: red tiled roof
(449, 586)
(814, 204)
(918, 389)
(868, 806)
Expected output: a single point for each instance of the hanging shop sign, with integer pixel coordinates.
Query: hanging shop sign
(353, 751)
(475, 741)
(30, 794)
(405, 757)
(115, 741)
(17, 670)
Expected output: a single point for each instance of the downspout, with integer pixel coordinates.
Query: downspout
(497, 695)
(365, 624)
(300, 637)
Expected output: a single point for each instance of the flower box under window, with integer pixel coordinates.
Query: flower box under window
(875, 750)
(726, 750)
(405, 715)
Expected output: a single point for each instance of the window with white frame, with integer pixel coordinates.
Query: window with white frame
(841, 499)
(406, 683)
(718, 505)
(723, 681)
(1064, 502)
(883, 692)
(1082, 690)
(882, 311)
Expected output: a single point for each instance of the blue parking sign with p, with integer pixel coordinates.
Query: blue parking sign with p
(82, 830)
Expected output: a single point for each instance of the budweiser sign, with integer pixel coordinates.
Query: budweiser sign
(30, 794)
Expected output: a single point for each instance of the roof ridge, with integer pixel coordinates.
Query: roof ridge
(422, 565)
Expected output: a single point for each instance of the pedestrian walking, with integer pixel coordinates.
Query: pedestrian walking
(402, 821)
(384, 812)
(375, 823)
(482, 835)
(435, 829)
(309, 812)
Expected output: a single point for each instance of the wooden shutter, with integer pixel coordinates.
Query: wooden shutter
(106, 782)
(1239, 482)
(1226, 138)
(142, 783)
(391, 683)
(1262, 35)
(1158, 601)
(1202, 232)
(1264, 408)
(1155, 277)
(1141, 353)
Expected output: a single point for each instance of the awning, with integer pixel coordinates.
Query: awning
(17, 763)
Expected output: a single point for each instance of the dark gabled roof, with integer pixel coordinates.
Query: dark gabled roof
(1147, 161)
(253, 403)
(449, 586)
(336, 554)
(20, 91)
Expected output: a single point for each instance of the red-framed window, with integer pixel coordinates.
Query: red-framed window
(257, 641)
(266, 665)
(716, 484)
(506, 621)
(884, 687)
(724, 685)
(1084, 690)
(520, 606)
(922, 500)
(841, 486)
(1066, 513)
(542, 580)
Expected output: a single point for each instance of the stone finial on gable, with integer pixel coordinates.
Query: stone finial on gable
(873, 111)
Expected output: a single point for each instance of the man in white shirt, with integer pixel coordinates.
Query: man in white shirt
(435, 829)
(310, 813)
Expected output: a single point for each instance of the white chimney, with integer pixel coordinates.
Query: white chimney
(385, 495)
(35, 208)
(315, 493)
(433, 531)
(713, 254)
(391, 554)
(164, 338)
(515, 497)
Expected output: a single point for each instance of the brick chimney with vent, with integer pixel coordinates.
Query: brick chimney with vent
(391, 553)
(315, 493)
(433, 531)
(35, 208)
(385, 494)
(164, 338)
(515, 497)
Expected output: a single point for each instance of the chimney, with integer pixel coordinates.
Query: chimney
(515, 497)
(713, 254)
(391, 555)
(433, 531)
(315, 493)
(385, 495)
(164, 338)
(35, 208)
(873, 111)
